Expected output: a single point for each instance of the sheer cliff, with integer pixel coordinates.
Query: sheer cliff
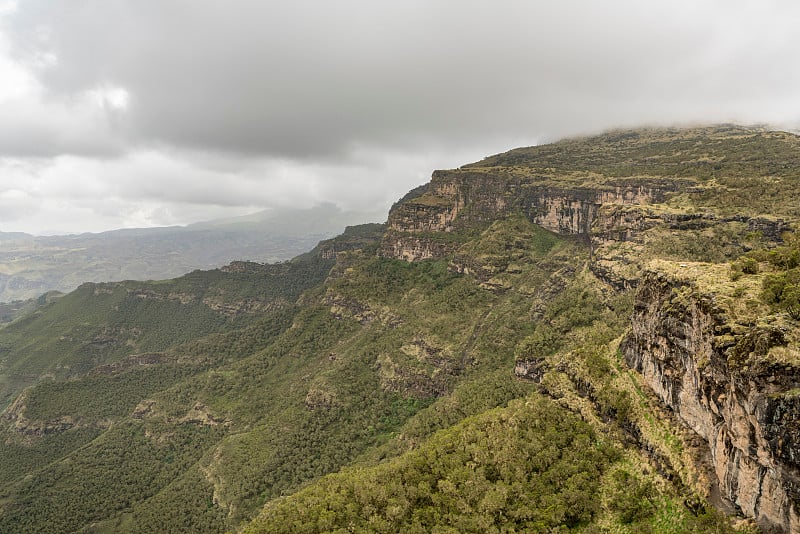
(734, 384)
(668, 199)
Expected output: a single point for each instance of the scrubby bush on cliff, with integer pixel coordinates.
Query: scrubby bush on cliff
(791, 300)
(783, 288)
(745, 265)
(543, 342)
(784, 257)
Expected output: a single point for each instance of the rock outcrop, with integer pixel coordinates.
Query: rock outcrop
(721, 381)
(423, 227)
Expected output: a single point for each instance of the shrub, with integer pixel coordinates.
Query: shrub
(749, 266)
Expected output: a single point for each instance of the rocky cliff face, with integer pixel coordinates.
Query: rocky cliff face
(718, 379)
(461, 199)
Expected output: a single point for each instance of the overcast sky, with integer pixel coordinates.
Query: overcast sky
(119, 113)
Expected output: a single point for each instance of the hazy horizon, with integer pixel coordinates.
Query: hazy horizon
(356, 217)
(123, 114)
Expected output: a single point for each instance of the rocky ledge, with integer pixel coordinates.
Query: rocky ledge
(421, 228)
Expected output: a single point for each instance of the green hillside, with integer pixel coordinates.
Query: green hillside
(100, 324)
(485, 388)
(724, 161)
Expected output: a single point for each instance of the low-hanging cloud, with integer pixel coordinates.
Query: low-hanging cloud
(295, 101)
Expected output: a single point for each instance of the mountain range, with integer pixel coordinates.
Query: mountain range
(33, 265)
(596, 335)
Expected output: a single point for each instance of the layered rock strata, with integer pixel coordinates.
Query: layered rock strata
(460, 199)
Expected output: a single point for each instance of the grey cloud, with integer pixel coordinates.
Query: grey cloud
(32, 128)
(245, 104)
(15, 204)
(311, 79)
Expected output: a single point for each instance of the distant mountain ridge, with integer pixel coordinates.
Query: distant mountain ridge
(33, 265)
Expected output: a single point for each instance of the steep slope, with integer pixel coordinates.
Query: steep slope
(733, 381)
(100, 324)
(465, 368)
(649, 201)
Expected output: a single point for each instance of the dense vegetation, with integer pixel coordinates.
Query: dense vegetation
(533, 466)
(347, 391)
(529, 467)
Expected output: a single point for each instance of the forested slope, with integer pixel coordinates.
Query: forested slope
(471, 366)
